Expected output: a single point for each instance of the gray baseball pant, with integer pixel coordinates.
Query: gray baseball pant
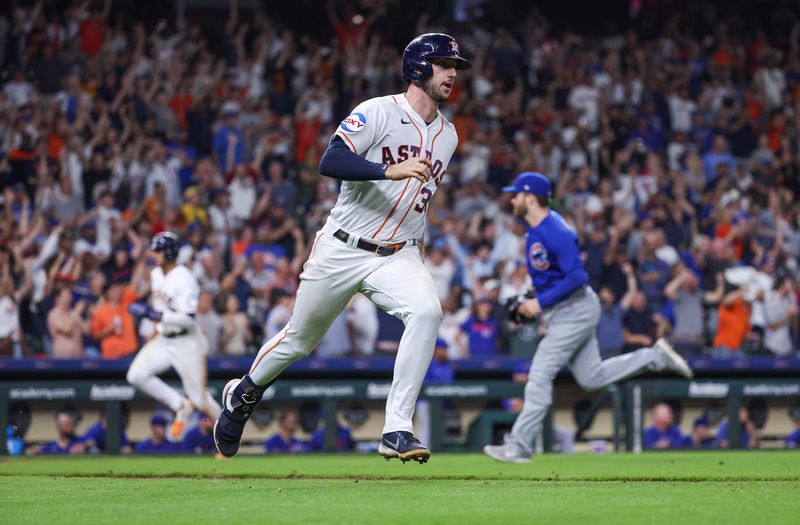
(570, 338)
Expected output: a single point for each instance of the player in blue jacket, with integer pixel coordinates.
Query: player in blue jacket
(570, 311)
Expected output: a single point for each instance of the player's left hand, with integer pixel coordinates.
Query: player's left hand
(416, 167)
(144, 310)
(530, 308)
(514, 307)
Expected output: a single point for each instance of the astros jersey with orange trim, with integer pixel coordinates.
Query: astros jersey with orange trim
(387, 130)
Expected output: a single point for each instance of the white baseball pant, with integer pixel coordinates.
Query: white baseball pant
(399, 284)
(187, 355)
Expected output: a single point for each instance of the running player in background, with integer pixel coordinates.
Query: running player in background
(177, 343)
(391, 152)
(570, 311)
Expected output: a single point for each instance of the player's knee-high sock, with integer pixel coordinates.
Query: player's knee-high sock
(413, 358)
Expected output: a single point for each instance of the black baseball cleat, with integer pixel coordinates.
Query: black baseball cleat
(404, 446)
(239, 398)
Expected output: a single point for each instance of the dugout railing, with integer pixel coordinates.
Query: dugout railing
(731, 392)
(328, 393)
(628, 401)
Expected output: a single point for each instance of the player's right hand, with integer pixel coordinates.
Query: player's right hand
(416, 167)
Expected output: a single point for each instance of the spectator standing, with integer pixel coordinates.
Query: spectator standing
(191, 210)
(229, 140)
(93, 30)
(733, 324)
(441, 266)
(638, 324)
(780, 310)
(112, 324)
(610, 328)
(209, 322)
(719, 154)
(10, 333)
(235, 328)
(221, 216)
(66, 326)
(653, 275)
(688, 300)
(482, 329)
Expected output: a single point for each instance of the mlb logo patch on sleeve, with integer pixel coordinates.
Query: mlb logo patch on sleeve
(354, 123)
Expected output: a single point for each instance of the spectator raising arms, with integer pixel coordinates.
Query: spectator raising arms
(66, 325)
(670, 145)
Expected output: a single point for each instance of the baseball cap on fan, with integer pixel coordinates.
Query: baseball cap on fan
(530, 182)
(230, 108)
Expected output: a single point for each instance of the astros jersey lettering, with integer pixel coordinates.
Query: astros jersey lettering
(369, 244)
(387, 130)
(383, 130)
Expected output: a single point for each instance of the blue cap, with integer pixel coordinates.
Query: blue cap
(701, 421)
(530, 182)
(441, 343)
(158, 420)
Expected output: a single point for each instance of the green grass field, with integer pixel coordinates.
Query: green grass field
(710, 487)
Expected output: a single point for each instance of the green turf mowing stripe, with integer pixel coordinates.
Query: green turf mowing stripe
(687, 466)
(41, 499)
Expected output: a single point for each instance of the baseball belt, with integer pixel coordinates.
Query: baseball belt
(179, 333)
(381, 250)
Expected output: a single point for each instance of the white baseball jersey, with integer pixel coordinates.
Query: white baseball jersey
(387, 130)
(383, 130)
(177, 291)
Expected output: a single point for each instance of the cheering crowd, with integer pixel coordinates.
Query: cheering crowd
(675, 157)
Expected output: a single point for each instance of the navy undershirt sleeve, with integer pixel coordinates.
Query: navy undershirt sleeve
(341, 163)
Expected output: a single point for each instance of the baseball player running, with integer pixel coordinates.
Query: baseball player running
(570, 310)
(178, 343)
(391, 152)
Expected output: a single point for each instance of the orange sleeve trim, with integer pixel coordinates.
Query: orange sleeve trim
(350, 142)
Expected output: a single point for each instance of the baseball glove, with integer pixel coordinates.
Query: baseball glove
(512, 308)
